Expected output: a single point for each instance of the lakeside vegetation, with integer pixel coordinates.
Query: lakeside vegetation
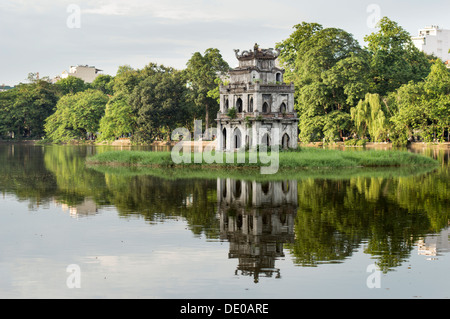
(303, 158)
(382, 90)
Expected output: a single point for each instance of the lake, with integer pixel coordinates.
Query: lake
(71, 231)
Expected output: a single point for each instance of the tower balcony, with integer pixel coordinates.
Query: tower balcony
(257, 116)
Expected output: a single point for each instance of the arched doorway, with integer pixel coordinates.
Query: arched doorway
(250, 105)
(285, 141)
(237, 138)
(224, 139)
(239, 105)
(265, 140)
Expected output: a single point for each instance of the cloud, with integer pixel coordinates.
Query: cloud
(136, 32)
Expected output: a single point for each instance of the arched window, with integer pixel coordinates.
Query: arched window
(239, 105)
(265, 107)
(250, 105)
(283, 108)
(226, 104)
(285, 141)
(278, 77)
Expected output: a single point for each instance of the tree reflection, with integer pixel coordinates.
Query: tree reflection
(316, 220)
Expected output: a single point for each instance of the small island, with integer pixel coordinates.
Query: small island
(302, 158)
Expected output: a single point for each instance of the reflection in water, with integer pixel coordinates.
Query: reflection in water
(87, 208)
(436, 244)
(257, 219)
(314, 220)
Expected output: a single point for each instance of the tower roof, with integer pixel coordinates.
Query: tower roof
(257, 53)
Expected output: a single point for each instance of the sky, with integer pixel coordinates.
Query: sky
(49, 36)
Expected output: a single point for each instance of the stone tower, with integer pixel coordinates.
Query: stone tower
(256, 103)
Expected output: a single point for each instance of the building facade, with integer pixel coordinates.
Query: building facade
(85, 72)
(256, 106)
(434, 40)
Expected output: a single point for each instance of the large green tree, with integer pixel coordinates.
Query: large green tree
(23, 110)
(77, 116)
(119, 119)
(329, 69)
(422, 109)
(394, 58)
(159, 103)
(202, 72)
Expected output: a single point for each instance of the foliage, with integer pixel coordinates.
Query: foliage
(77, 116)
(329, 70)
(232, 113)
(159, 104)
(370, 118)
(394, 58)
(104, 83)
(71, 85)
(305, 158)
(24, 109)
(423, 109)
(202, 73)
(119, 119)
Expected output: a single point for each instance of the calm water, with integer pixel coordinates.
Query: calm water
(133, 234)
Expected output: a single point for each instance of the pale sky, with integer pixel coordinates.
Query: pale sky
(48, 36)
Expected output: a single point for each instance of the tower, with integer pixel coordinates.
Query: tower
(256, 103)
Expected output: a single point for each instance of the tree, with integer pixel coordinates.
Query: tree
(422, 109)
(437, 99)
(370, 118)
(125, 80)
(159, 104)
(289, 48)
(119, 119)
(24, 109)
(71, 85)
(329, 70)
(201, 73)
(394, 58)
(77, 116)
(104, 83)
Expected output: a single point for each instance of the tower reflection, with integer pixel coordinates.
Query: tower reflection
(257, 219)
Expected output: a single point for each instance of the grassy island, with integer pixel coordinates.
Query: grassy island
(303, 158)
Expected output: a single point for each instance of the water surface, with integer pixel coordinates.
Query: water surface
(152, 234)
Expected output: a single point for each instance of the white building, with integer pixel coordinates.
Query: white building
(434, 40)
(84, 72)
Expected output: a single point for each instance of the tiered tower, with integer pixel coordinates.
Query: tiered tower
(255, 102)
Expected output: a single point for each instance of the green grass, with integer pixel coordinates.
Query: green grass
(303, 158)
(177, 173)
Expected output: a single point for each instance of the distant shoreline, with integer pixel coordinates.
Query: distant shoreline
(126, 142)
